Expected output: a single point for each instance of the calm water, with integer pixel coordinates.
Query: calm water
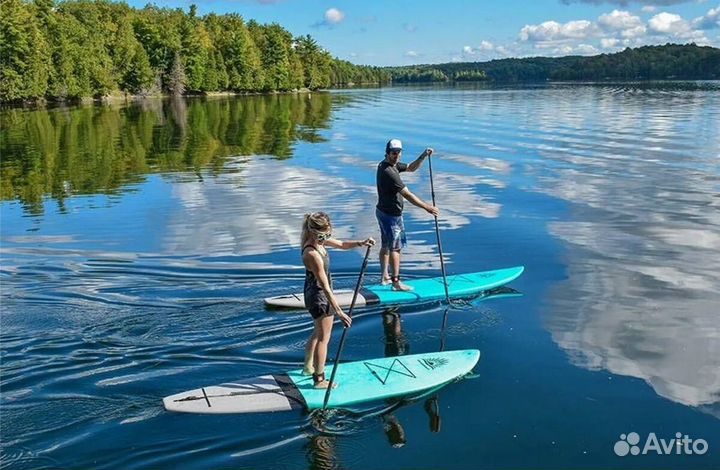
(138, 241)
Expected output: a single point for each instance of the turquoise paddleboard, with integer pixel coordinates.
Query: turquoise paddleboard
(358, 382)
(459, 285)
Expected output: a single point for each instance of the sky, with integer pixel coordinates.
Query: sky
(405, 32)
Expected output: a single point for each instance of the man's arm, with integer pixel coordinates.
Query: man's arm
(418, 161)
(416, 201)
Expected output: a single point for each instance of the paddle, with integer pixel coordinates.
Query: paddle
(437, 232)
(431, 404)
(342, 338)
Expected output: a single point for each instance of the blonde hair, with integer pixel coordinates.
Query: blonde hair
(317, 222)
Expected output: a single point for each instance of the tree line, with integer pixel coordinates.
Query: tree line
(93, 48)
(666, 62)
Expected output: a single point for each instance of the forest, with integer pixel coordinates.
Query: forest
(666, 62)
(93, 48)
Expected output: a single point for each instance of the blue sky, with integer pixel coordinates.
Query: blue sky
(403, 32)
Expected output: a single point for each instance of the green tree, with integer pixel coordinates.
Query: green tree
(24, 57)
(196, 50)
(276, 57)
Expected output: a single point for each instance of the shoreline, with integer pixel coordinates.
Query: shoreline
(116, 98)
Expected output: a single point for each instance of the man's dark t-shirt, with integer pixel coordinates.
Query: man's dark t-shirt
(389, 185)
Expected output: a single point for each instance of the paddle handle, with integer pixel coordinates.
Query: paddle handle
(344, 333)
(437, 232)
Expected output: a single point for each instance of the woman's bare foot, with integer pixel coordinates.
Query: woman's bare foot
(385, 281)
(307, 371)
(325, 384)
(401, 287)
(320, 382)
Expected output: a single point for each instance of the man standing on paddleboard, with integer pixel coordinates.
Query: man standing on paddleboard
(391, 192)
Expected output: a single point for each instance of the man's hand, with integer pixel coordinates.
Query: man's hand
(427, 152)
(432, 210)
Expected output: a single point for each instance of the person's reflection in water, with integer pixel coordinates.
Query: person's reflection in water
(396, 344)
(393, 430)
(321, 453)
(321, 448)
(432, 408)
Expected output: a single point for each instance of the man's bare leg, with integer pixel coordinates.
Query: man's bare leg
(395, 263)
(384, 260)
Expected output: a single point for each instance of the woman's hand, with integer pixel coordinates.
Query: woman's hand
(369, 241)
(345, 318)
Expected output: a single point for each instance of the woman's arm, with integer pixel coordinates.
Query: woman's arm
(349, 244)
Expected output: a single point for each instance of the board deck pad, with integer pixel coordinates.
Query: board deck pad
(358, 382)
(459, 285)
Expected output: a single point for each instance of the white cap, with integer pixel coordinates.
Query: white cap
(393, 144)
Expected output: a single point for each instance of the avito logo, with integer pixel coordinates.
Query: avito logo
(680, 445)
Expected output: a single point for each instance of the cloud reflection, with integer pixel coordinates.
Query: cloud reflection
(643, 244)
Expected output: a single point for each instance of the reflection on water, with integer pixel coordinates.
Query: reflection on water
(643, 239)
(89, 150)
(137, 243)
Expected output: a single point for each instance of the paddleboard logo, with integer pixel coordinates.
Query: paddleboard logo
(680, 445)
(382, 373)
(432, 363)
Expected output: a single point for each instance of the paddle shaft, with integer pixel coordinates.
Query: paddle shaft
(437, 232)
(344, 333)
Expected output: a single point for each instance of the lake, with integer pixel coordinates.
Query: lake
(138, 241)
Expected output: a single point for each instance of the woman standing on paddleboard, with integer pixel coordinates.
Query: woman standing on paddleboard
(319, 298)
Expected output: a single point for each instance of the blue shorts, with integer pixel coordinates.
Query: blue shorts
(392, 231)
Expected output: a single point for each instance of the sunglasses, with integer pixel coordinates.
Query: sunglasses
(324, 236)
(395, 152)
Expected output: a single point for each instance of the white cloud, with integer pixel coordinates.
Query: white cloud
(564, 50)
(334, 16)
(649, 8)
(580, 49)
(668, 23)
(486, 46)
(623, 22)
(609, 43)
(553, 31)
(411, 54)
(676, 27)
(586, 49)
(618, 20)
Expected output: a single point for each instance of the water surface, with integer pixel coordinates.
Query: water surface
(138, 241)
